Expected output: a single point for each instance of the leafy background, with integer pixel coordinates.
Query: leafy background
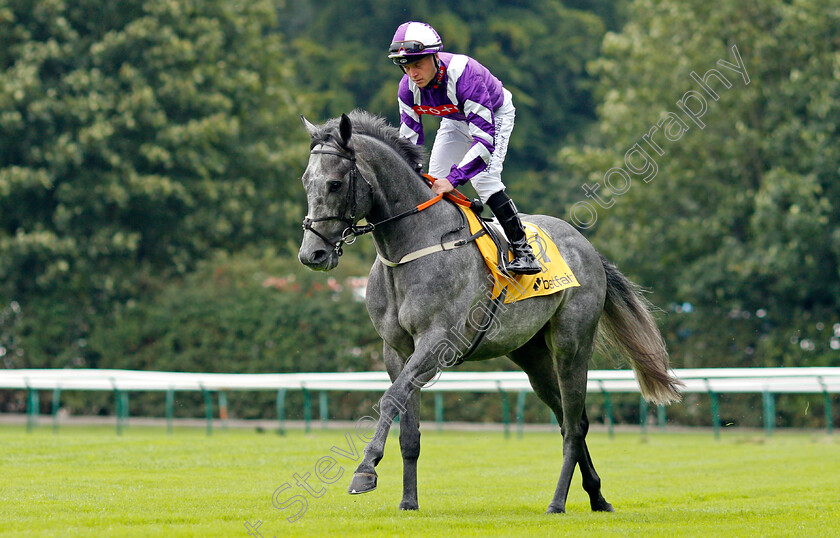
(150, 155)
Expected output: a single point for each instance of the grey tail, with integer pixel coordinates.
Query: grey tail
(629, 328)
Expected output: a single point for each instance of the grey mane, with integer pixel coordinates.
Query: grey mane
(365, 123)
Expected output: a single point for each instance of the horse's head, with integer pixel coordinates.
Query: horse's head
(337, 195)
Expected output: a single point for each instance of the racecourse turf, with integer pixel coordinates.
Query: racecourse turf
(87, 481)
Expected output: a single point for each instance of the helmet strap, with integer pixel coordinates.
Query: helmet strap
(441, 71)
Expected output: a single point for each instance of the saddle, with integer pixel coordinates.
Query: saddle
(487, 234)
(556, 275)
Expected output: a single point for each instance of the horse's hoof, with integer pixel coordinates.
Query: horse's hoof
(409, 505)
(555, 509)
(601, 505)
(362, 483)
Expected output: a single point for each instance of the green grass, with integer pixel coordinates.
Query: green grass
(87, 481)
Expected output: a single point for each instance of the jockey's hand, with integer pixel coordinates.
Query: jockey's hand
(441, 186)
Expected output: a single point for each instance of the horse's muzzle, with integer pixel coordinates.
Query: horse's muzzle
(318, 259)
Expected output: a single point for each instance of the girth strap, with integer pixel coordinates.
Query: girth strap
(479, 334)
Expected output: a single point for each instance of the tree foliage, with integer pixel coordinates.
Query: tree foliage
(740, 222)
(538, 49)
(136, 136)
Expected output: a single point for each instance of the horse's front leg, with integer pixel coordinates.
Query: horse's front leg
(401, 397)
(410, 448)
(409, 431)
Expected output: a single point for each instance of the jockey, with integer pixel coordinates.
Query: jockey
(477, 116)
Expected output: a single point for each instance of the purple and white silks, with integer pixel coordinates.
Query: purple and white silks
(471, 97)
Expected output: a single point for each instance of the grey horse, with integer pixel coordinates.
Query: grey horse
(360, 168)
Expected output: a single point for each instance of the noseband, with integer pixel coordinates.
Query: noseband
(352, 231)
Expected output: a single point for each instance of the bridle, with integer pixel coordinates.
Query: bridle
(352, 231)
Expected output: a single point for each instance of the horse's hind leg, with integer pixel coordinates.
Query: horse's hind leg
(572, 367)
(591, 480)
(536, 360)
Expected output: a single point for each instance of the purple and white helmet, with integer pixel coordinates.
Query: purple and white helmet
(412, 41)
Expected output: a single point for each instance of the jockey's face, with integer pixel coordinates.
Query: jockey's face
(422, 71)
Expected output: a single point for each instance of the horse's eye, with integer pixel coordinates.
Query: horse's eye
(335, 186)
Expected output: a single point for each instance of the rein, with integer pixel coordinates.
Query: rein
(352, 231)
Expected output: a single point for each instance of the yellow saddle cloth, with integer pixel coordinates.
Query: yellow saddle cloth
(555, 276)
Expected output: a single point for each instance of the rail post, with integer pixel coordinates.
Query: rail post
(643, 414)
(33, 405)
(323, 409)
(439, 410)
(124, 406)
(118, 403)
(208, 408)
(56, 405)
(769, 412)
(713, 399)
(829, 418)
(281, 411)
(505, 410)
(170, 408)
(520, 413)
(661, 417)
(223, 408)
(307, 408)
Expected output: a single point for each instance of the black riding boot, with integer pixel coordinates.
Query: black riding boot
(524, 262)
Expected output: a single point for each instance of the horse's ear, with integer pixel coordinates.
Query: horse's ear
(345, 129)
(310, 128)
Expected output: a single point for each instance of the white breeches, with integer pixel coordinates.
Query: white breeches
(453, 141)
